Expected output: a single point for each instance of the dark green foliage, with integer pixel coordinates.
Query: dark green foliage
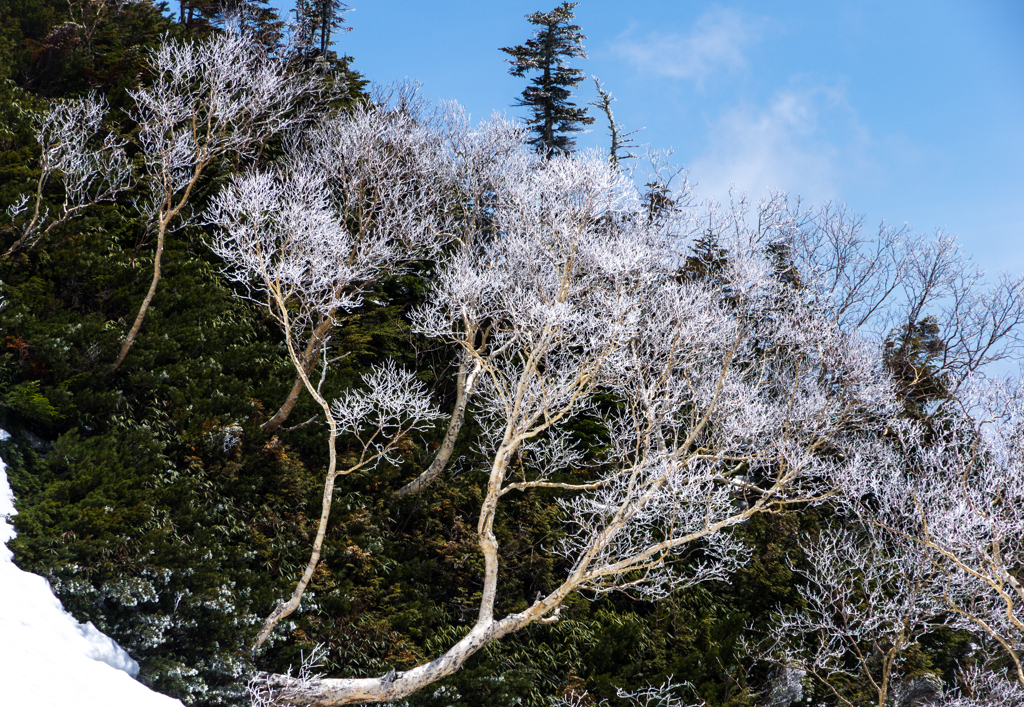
(150, 500)
(319, 21)
(554, 117)
(140, 507)
(160, 512)
(914, 355)
(257, 19)
(65, 48)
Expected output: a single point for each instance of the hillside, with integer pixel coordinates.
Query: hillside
(168, 460)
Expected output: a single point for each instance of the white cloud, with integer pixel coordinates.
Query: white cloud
(717, 42)
(804, 141)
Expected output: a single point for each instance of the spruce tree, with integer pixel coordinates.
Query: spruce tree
(257, 19)
(554, 116)
(318, 21)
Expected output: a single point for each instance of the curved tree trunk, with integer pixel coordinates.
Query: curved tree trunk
(463, 389)
(286, 408)
(286, 690)
(134, 331)
(167, 212)
(308, 356)
(324, 692)
(285, 608)
(30, 227)
(327, 692)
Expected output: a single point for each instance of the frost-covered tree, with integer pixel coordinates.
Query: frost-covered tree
(954, 491)
(731, 359)
(983, 686)
(706, 389)
(91, 169)
(381, 176)
(663, 695)
(620, 142)
(730, 374)
(553, 116)
(867, 600)
(944, 487)
(356, 199)
(210, 101)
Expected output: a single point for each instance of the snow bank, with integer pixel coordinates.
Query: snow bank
(47, 658)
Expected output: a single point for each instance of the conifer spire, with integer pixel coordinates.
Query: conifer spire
(318, 21)
(554, 116)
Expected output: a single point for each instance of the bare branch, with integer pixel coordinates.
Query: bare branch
(90, 173)
(211, 101)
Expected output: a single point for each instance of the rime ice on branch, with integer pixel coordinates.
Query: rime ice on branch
(91, 170)
(953, 491)
(867, 600)
(735, 387)
(211, 101)
(356, 200)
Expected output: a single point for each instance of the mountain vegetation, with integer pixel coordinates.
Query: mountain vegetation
(300, 373)
(553, 116)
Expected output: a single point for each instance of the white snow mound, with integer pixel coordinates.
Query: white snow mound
(47, 658)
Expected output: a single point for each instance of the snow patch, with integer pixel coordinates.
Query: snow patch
(47, 658)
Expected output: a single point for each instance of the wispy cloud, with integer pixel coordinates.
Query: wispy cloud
(717, 42)
(804, 141)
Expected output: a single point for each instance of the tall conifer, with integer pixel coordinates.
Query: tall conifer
(554, 116)
(318, 21)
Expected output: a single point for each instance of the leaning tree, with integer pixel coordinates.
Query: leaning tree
(572, 308)
(210, 102)
(355, 201)
(92, 168)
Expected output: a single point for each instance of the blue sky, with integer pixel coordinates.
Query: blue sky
(910, 111)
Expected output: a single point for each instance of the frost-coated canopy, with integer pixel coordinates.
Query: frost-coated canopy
(725, 358)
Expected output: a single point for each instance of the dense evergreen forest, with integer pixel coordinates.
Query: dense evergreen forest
(162, 506)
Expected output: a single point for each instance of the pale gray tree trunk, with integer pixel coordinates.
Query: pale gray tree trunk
(308, 357)
(137, 324)
(463, 389)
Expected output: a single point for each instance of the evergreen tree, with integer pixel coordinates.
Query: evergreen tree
(256, 19)
(554, 117)
(318, 20)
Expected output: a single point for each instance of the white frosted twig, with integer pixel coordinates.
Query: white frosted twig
(91, 169)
